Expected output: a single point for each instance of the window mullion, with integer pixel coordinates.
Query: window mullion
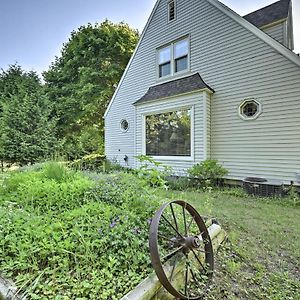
(172, 59)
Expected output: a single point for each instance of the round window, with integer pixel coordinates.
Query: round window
(249, 109)
(124, 125)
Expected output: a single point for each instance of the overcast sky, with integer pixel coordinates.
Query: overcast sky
(32, 31)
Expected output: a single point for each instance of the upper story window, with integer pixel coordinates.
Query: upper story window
(171, 10)
(173, 58)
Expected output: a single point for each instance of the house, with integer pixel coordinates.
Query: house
(206, 83)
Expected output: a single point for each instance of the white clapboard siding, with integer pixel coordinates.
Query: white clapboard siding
(277, 32)
(238, 65)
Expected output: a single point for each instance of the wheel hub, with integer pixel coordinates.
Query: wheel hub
(191, 242)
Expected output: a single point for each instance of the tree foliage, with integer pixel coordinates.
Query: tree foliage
(27, 131)
(82, 80)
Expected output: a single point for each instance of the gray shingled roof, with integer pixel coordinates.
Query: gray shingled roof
(175, 87)
(269, 14)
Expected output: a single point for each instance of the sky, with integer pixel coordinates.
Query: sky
(32, 32)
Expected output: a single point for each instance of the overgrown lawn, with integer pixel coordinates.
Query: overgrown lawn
(260, 259)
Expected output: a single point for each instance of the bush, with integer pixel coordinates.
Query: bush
(91, 162)
(154, 172)
(178, 183)
(208, 172)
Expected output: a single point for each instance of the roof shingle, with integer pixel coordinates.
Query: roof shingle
(175, 87)
(269, 14)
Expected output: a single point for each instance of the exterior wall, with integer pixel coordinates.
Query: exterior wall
(194, 101)
(237, 65)
(277, 32)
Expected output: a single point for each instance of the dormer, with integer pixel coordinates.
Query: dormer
(276, 20)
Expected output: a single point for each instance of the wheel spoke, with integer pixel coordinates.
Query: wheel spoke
(173, 269)
(171, 254)
(165, 238)
(175, 221)
(190, 223)
(198, 259)
(184, 220)
(172, 226)
(186, 279)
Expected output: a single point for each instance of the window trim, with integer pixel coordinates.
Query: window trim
(244, 117)
(172, 61)
(121, 128)
(175, 11)
(192, 137)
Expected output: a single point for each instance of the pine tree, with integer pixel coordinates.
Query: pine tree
(27, 130)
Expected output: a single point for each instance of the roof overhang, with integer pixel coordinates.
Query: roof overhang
(176, 87)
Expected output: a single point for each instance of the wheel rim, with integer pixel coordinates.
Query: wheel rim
(179, 234)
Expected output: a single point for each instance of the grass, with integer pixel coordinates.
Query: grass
(260, 259)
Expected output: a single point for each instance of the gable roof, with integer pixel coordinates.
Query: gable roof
(272, 13)
(234, 16)
(173, 88)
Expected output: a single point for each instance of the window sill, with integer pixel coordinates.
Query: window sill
(173, 77)
(172, 158)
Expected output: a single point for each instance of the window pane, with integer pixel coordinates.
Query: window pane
(181, 64)
(181, 48)
(169, 134)
(164, 55)
(164, 69)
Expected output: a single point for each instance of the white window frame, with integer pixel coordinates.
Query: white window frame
(156, 112)
(172, 59)
(175, 11)
(244, 102)
(121, 128)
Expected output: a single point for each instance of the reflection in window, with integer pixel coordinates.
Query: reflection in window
(181, 55)
(165, 61)
(169, 134)
(173, 58)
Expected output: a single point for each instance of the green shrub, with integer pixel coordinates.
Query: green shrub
(91, 162)
(179, 183)
(154, 172)
(57, 171)
(208, 172)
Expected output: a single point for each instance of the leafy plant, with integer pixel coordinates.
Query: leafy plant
(154, 172)
(91, 162)
(77, 234)
(57, 171)
(208, 172)
(82, 80)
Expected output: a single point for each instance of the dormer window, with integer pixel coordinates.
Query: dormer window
(173, 58)
(171, 10)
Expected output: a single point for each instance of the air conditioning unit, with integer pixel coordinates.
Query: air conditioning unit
(298, 177)
(262, 187)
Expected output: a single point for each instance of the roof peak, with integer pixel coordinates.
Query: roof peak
(269, 14)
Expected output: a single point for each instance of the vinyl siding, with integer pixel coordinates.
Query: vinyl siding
(237, 65)
(277, 32)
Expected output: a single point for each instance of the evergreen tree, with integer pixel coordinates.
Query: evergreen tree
(27, 130)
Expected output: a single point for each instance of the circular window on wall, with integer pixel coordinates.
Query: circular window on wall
(124, 125)
(249, 109)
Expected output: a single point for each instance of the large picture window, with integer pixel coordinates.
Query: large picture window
(169, 133)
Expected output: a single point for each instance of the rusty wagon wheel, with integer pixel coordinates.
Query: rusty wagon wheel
(181, 250)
